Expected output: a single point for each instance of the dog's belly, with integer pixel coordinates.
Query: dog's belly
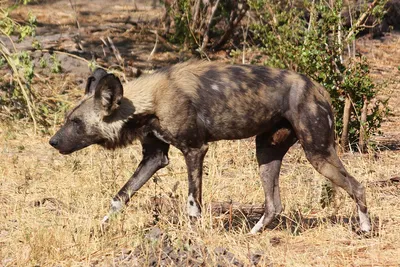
(231, 124)
(239, 109)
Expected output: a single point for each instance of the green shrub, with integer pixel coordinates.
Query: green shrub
(311, 38)
(18, 94)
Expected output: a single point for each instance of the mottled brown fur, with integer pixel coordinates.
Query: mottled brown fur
(191, 104)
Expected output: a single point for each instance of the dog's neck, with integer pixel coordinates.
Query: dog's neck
(141, 92)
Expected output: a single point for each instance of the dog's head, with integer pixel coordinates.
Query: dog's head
(93, 120)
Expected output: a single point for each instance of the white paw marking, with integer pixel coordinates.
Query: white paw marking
(116, 205)
(105, 219)
(215, 87)
(330, 121)
(365, 224)
(160, 136)
(258, 226)
(323, 108)
(192, 208)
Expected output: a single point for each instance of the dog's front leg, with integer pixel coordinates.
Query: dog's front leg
(194, 158)
(155, 157)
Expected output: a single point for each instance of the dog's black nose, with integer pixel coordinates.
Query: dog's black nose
(53, 142)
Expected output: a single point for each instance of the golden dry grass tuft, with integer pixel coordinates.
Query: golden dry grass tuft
(51, 207)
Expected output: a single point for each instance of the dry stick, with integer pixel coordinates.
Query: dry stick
(245, 32)
(191, 31)
(165, 42)
(155, 46)
(120, 73)
(354, 41)
(310, 21)
(73, 7)
(65, 53)
(233, 22)
(196, 14)
(363, 119)
(115, 51)
(9, 38)
(347, 106)
(340, 38)
(344, 140)
(363, 122)
(206, 37)
(361, 19)
(230, 207)
(312, 15)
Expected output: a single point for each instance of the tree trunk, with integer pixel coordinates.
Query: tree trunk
(344, 140)
(363, 136)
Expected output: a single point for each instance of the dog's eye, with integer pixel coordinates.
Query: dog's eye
(76, 120)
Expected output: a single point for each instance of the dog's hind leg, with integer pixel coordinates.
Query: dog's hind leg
(194, 158)
(329, 165)
(270, 150)
(316, 135)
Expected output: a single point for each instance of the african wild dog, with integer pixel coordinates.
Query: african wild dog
(190, 104)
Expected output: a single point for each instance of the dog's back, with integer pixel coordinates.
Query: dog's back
(229, 101)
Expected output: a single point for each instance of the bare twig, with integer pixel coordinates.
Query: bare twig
(235, 17)
(344, 140)
(155, 46)
(115, 51)
(230, 207)
(245, 32)
(79, 39)
(73, 7)
(196, 15)
(363, 130)
(207, 31)
(65, 53)
(362, 18)
(164, 41)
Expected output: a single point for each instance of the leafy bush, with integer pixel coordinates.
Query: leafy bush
(311, 38)
(18, 94)
(18, 97)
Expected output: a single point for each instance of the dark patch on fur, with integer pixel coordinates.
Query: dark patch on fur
(94, 79)
(309, 85)
(280, 133)
(72, 137)
(130, 131)
(318, 127)
(165, 70)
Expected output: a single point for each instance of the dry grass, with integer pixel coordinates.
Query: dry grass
(51, 206)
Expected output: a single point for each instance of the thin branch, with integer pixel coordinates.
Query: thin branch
(115, 50)
(9, 38)
(235, 17)
(155, 46)
(359, 22)
(196, 14)
(206, 37)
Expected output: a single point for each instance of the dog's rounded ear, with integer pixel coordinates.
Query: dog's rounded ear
(94, 79)
(108, 93)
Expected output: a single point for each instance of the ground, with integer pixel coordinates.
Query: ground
(51, 205)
